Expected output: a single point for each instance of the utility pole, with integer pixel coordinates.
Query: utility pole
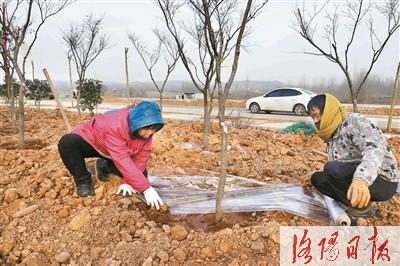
(33, 70)
(126, 73)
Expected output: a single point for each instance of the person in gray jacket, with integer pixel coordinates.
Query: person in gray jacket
(361, 166)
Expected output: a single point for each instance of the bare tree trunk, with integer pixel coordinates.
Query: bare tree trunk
(11, 97)
(393, 103)
(126, 73)
(8, 76)
(78, 98)
(161, 100)
(353, 95)
(21, 108)
(354, 101)
(14, 115)
(21, 117)
(224, 92)
(207, 123)
(224, 158)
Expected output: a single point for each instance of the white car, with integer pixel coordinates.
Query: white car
(293, 100)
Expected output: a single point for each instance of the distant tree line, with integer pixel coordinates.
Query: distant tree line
(37, 90)
(376, 90)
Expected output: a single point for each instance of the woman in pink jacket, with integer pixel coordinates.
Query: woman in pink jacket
(122, 140)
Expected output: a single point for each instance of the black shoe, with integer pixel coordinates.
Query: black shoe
(85, 190)
(100, 170)
(84, 185)
(353, 221)
(365, 212)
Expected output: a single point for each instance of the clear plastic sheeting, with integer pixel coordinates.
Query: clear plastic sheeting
(187, 145)
(338, 215)
(197, 194)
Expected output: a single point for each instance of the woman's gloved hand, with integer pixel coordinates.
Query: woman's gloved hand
(358, 194)
(125, 189)
(152, 198)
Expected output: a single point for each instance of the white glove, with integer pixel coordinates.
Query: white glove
(152, 198)
(125, 189)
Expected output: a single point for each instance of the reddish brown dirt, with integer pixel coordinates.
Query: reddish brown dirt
(112, 230)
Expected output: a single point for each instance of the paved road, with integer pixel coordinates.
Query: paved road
(273, 120)
(280, 119)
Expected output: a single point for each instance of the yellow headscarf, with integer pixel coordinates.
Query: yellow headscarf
(333, 115)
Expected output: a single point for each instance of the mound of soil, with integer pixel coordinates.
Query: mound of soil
(43, 222)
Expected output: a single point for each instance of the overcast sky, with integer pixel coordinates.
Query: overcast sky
(275, 53)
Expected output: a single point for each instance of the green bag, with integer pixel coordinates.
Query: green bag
(307, 127)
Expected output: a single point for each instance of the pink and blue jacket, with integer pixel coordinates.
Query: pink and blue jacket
(109, 134)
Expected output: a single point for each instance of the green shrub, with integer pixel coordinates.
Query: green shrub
(90, 95)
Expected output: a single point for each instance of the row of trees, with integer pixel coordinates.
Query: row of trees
(377, 90)
(217, 29)
(39, 90)
(345, 22)
(21, 22)
(85, 40)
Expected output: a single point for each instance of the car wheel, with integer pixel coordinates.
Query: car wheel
(299, 109)
(254, 108)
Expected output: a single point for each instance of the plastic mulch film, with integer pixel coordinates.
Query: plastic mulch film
(197, 194)
(338, 215)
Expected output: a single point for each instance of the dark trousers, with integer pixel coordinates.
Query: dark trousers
(74, 149)
(334, 181)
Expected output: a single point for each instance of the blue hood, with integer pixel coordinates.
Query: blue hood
(145, 114)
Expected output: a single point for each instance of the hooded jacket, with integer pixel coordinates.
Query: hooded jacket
(110, 135)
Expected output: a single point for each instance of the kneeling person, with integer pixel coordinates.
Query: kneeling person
(361, 166)
(122, 139)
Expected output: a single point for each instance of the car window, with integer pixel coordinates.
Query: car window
(275, 93)
(308, 92)
(289, 92)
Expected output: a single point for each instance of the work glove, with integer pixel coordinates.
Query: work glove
(358, 194)
(152, 198)
(125, 189)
